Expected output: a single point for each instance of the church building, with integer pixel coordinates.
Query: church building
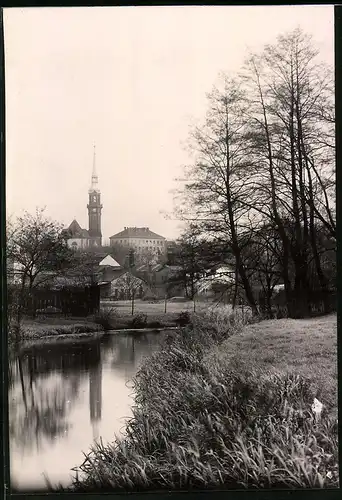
(79, 238)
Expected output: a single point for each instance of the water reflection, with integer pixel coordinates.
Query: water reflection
(64, 396)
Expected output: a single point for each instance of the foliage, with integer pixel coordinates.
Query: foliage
(37, 245)
(107, 319)
(139, 321)
(36, 253)
(183, 318)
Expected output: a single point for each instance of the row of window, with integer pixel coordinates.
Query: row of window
(154, 242)
(147, 248)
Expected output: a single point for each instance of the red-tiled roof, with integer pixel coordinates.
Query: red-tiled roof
(137, 232)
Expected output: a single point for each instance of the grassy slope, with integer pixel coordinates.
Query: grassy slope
(307, 347)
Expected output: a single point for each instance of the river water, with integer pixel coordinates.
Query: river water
(64, 396)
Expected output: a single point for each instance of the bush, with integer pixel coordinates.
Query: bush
(15, 332)
(139, 321)
(219, 323)
(183, 319)
(107, 319)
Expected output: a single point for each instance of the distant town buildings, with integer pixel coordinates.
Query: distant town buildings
(141, 240)
(222, 275)
(79, 238)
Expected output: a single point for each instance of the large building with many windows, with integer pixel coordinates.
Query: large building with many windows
(141, 240)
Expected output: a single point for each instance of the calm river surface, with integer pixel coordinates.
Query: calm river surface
(64, 396)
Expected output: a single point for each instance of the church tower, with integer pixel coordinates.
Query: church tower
(94, 209)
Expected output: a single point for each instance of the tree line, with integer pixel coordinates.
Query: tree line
(260, 189)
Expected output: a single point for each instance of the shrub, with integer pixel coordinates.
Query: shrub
(220, 323)
(107, 319)
(15, 332)
(139, 321)
(183, 319)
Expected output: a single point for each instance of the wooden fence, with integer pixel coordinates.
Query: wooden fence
(67, 301)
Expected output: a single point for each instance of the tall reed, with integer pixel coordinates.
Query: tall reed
(200, 423)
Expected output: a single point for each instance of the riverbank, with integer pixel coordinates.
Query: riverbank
(82, 337)
(229, 405)
(72, 328)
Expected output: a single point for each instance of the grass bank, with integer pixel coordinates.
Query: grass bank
(202, 420)
(47, 327)
(116, 319)
(306, 347)
(51, 327)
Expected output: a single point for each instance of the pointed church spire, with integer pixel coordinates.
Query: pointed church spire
(94, 179)
(94, 163)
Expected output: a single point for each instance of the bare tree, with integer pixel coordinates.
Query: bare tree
(264, 159)
(293, 154)
(131, 287)
(215, 189)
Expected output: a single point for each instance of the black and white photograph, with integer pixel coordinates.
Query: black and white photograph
(171, 248)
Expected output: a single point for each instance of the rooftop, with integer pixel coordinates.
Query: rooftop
(109, 261)
(137, 232)
(75, 230)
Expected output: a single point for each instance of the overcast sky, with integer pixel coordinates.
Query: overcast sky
(127, 79)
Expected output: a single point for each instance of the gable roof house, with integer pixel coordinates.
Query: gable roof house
(101, 264)
(109, 268)
(163, 278)
(122, 287)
